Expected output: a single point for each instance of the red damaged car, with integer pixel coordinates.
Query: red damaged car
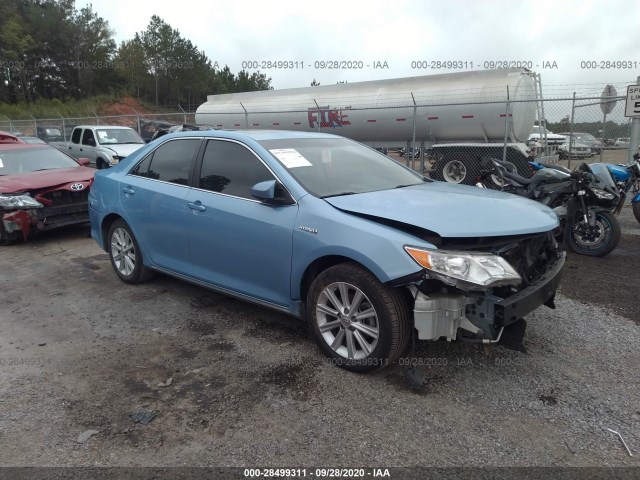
(40, 188)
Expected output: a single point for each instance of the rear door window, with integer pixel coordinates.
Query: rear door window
(88, 138)
(75, 137)
(170, 162)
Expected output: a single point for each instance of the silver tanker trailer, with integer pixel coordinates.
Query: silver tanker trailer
(458, 116)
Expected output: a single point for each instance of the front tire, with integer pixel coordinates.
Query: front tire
(359, 323)
(101, 164)
(125, 254)
(597, 241)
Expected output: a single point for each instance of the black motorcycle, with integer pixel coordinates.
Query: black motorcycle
(582, 199)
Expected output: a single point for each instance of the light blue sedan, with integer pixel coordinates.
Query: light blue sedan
(331, 231)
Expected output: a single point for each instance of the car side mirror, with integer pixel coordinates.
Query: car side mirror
(85, 162)
(271, 192)
(91, 142)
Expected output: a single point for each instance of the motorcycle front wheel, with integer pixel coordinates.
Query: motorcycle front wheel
(596, 241)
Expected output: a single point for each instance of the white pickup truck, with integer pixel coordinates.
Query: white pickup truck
(103, 145)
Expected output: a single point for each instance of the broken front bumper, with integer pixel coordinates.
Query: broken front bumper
(513, 308)
(439, 315)
(41, 219)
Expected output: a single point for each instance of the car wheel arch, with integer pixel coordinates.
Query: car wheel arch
(107, 221)
(320, 264)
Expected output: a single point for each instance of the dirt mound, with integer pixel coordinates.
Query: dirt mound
(122, 107)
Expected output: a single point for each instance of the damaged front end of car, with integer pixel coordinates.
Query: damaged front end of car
(18, 213)
(24, 214)
(480, 291)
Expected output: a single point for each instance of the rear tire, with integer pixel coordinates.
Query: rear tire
(125, 254)
(455, 170)
(636, 210)
(360, 324)
(607, 235)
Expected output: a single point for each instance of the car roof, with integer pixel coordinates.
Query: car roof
(102, 126)
(256, 135)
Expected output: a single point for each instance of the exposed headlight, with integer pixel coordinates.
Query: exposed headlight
(474, 269)
(19, 201)
(602, 195)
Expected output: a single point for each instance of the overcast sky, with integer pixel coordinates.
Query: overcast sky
(399, 32)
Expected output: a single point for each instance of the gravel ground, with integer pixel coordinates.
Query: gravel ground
(249, 388)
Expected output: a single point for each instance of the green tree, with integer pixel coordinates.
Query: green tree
(14, 52)
(49, 50)
(130, 64)
(93, 51)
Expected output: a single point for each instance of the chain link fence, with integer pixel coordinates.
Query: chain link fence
(447, 139)
(443, 137)
(597, 136)
(60, 128)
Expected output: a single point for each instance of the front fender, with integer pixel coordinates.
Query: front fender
(592, 211)
(322, 230)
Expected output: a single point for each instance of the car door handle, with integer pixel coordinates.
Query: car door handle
(128, 190)
(197, 206)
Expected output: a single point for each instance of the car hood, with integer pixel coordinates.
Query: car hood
(123, 150)
(25, 182)
(452, 210)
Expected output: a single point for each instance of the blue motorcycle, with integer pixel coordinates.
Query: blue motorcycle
(627, 178)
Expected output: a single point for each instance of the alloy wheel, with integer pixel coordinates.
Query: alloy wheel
(589, 237)
(347, 321)
(123, 251)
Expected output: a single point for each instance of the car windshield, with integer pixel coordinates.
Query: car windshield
(26, 160)
(114, 136)
(328, 167)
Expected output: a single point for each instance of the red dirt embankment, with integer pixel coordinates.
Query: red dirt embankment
(122, 107)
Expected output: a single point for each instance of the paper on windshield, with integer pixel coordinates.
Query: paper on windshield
(290, 157)
(1, 164)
